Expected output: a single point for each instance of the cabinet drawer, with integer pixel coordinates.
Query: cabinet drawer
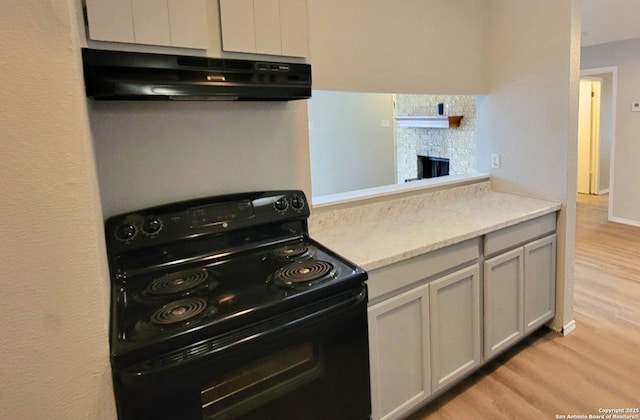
(519, 234)
(395, 277)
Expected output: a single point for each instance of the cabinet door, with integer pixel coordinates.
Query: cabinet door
(188, 24)
(172, 23)
(110, 20)
(294, 28)
(399, 353)
(238, 27)
(267, 26)
(151, 22)
(454, 309)
(539, 282)
(503, 301)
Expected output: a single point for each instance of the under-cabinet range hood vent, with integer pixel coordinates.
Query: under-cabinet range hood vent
(144, 76)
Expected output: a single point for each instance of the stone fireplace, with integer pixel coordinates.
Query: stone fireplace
(455, 144)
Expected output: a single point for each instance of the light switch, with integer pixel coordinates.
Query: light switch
(635, 106)
(495, 160)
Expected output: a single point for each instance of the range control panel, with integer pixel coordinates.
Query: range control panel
(187, 219)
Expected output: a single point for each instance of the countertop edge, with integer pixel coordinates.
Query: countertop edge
(411, 253)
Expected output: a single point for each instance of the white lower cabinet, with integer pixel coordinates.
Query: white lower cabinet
(539, 282)
(431, 316)
(503, 301)
(519, 293)
(454, 308)
(423, 340)
(399, 353)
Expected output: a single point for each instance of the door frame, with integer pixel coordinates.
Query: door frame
(594, 134)
(613, 70)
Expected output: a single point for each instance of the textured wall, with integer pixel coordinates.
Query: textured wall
(530, 116)
(456, 144)
(153, 153)
(54, 344)
(413, 46)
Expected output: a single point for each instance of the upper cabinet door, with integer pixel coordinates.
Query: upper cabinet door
(267, 26)
(110, 20)
(151, 22)
(294, 28)
(238, 27)
(188, 23)
(171, 23)
(274, 27)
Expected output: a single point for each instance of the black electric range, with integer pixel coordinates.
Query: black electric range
(232, 289)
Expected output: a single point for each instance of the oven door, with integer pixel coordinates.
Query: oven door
(309, 363)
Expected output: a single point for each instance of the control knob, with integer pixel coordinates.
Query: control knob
(297, 202)
(151, 226)
(281, 204)
(126, 232)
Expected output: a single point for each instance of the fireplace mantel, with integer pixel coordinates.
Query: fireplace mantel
(429, 121)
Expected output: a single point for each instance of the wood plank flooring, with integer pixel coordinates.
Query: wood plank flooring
(595, 367)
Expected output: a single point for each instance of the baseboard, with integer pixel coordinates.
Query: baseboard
(568, 328)
(625, 221)
(602, 192)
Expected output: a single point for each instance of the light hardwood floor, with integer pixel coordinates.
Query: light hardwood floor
(595, 367)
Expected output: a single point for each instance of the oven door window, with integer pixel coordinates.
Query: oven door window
(261, 381)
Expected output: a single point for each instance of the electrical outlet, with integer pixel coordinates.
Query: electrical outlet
(495, 160)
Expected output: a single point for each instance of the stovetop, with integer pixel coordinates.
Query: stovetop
(195, 286)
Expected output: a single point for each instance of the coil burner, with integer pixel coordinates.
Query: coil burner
(304, 274)
(291, 253)
(181, 282)
(179, 311)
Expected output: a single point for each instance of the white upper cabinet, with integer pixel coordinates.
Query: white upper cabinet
(238, 27)
(151, 22)
(110, 20)
(294, 28)
(188, 24)
(173, 23)
(274, 27)
(267, 27)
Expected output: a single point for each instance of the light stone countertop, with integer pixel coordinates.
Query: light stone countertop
(378, 234)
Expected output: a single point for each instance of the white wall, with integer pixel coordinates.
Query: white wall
(530, 115)
(351, 148)
(54, 300)
(152, 153)
(412, 46)
(624, 193)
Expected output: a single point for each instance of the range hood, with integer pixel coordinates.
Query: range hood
(144, 76)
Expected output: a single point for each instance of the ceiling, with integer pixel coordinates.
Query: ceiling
(609, 20)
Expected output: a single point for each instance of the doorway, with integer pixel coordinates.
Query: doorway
(589, 136)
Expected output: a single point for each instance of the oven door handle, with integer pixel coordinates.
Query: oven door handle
(201, 350)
